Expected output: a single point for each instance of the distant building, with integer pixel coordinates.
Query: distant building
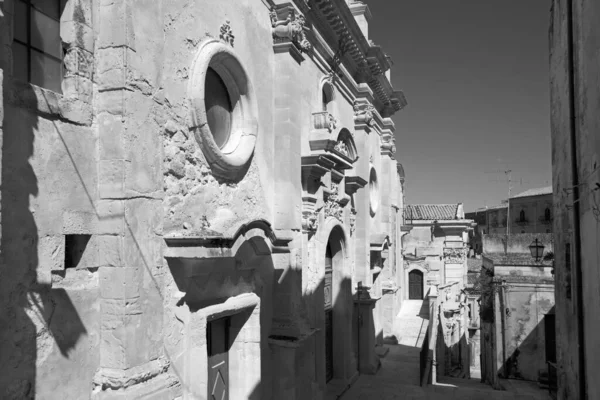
(435, 249)
(517, 309)
(530, 212)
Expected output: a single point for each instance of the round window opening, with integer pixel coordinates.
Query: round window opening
(373, 191)
(223, 109)
(218, 108)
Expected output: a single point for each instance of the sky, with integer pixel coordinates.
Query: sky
(476, 77)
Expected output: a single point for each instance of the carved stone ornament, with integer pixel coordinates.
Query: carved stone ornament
(78, 62)
(292, 28)
(324, 120)
(353, 213)
(363, 113)
(226, 34)
(310, 221)
(342, 148)
(454, 255)
(332, 207)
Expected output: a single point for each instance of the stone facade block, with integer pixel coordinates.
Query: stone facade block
(120, 283)
(111, 174)
(110, 217)
(111, 101)
(110, 137)
(117, 24)
(111, 70)
(109, 251)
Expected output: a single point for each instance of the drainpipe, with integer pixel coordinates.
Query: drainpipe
(576, 198)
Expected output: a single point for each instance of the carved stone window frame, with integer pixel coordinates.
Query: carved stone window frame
(230, 161)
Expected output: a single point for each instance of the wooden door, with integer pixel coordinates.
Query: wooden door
(328, 305)
(218, 358)
(415, 285)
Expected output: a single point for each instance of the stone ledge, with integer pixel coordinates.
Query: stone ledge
(47, 102)
(289, 47)
(112, 378)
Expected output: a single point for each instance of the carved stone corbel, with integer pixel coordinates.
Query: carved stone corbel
(292, 28)
(363, 113)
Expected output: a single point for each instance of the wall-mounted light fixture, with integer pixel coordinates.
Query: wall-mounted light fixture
(537, 249)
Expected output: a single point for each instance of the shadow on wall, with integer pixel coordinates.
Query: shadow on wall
(527, 359)
(32, 313)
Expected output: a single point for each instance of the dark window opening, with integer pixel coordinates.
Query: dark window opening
(550, 333)
(547, 215)
(218, 108)
(326, 96)
(37, 46)
(74, 248)
(522, 216)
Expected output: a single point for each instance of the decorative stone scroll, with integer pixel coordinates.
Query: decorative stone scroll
(332, 206)
(290, 29)
(226, 34)
(363, 113)
(324, 120)
(454, 255)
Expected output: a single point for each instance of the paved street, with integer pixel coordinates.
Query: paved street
(398, 378)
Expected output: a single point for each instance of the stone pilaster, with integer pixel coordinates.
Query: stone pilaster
(132, 363)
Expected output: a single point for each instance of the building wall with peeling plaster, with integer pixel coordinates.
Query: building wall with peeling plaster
(115, 157)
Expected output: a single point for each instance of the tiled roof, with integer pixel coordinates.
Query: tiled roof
(431, 211)
(534, 192)
(498, 207)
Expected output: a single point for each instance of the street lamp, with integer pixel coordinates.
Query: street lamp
(537, 249)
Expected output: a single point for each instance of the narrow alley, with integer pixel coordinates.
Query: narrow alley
(398, 377)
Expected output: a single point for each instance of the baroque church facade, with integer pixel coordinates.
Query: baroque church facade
(199, 198)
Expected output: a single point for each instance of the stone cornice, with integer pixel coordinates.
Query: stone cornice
(335, 21)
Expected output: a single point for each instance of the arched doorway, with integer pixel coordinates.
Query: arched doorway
(415, 285)
(337, 362)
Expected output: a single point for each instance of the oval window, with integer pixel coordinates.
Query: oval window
(373, 191)
(218, 108)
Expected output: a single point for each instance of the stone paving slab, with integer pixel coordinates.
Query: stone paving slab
(399, 377)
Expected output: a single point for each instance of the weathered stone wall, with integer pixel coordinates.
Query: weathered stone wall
(517, 243)
(50, 315)
(525, 337)
(117, 167)
(575, 151)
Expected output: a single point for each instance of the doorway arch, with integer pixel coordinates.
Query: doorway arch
(415, 285)
(334, 311)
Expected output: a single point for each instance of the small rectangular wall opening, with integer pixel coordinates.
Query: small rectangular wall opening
(75, 246)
